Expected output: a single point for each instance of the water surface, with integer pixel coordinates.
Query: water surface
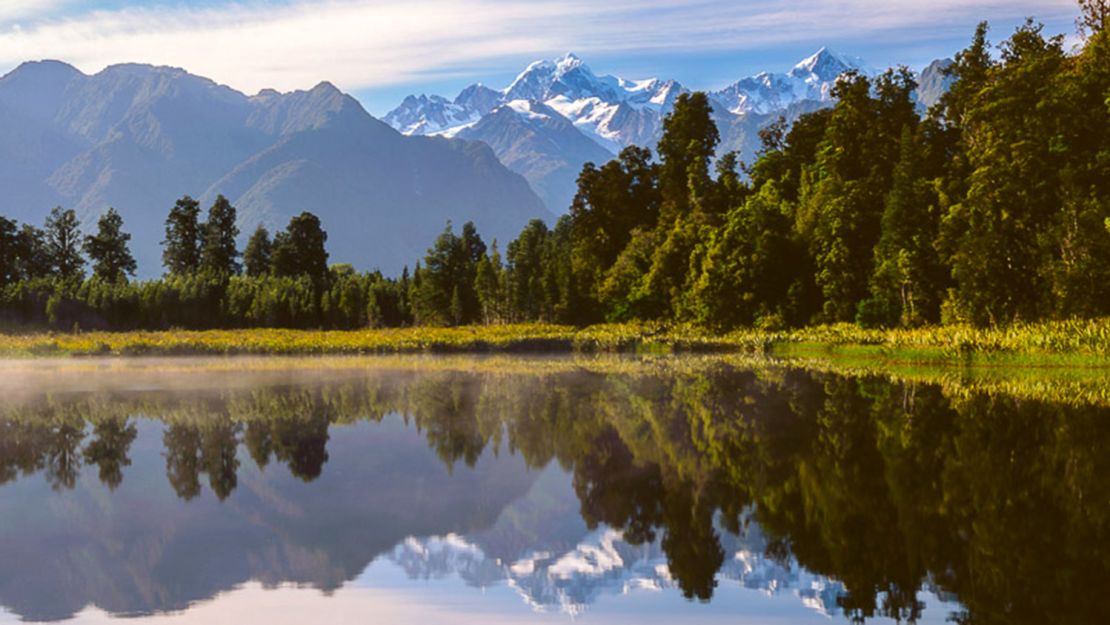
(511, 491)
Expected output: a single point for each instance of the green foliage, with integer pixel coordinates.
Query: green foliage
(184, 238)
(218, 253)
(257, 255)
(526, 274)
(107, 249)
(749, 267)
(63, 244)
(909, 276)
(446, 294)
(490, 285)
(300, 249)
(689, 140)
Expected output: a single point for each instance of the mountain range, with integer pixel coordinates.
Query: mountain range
(558, 114)
(136, 137)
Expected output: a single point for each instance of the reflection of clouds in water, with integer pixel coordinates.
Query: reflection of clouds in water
(348, 462)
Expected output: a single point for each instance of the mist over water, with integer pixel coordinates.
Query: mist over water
(465, 490)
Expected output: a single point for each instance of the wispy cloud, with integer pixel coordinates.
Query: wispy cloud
(12, 10)
(368, 43)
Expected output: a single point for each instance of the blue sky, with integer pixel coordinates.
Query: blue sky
(381, 50)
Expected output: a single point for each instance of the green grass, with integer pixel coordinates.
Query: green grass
(1065, 343)
(531, 338)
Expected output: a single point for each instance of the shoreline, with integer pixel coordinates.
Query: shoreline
(1051, 344)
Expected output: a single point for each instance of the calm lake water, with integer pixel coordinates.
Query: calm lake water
(512, 491)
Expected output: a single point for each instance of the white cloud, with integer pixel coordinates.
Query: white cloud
(365, 43)
(13, 10)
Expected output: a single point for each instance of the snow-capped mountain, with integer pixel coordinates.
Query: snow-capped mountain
(604, 564)
(424, 115)
(429, 115)
(614, 112)
(812, 79)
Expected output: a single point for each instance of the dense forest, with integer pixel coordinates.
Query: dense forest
(991, 208)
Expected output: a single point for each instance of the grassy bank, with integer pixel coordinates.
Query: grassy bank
(530, 338)
(1059, 343)
(1067, 343)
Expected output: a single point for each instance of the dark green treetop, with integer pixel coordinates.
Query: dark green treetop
(107, 249)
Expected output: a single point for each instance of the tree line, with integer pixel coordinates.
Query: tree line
(278, 281)
(993, 207)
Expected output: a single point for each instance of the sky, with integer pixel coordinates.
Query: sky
(382, 50)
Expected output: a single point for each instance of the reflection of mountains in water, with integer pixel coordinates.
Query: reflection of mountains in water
(890, 488)
(603, 563)
(139, 550)
(540, 547)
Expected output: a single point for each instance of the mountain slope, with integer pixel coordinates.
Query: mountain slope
(137, 137)
(934, 82)
(534, 140)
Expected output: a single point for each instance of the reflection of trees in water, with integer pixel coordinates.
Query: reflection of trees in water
(112, 438)
(885, 487)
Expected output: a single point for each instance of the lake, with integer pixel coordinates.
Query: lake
(518, 490)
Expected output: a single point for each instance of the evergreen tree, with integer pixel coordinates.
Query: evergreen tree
(257, 255)
(841, 209)
(473, 249)
(107, 249)
(446, 292)
(621, 294)
(218, 253)
(525, 273)
(184, 238)
(32, 256)
(489, 285)
(611, 203)
(1080, 268)
(909, 278)
(689, 140)
(63, 244)
(999, 263)
(300, 250)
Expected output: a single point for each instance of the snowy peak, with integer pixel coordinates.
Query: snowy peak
(811, 79)
(478, 98)
(826, 65)
(571, 580)
(613, 112)
(426, 115)
(567, 76)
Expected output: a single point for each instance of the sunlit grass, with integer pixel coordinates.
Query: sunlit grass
(1064, 343)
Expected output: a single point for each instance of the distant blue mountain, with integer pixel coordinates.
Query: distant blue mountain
(136, 137)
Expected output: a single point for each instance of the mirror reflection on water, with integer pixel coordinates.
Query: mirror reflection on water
(489, 491)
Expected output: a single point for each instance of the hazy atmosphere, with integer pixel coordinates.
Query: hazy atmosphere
(563, 312)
